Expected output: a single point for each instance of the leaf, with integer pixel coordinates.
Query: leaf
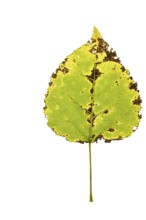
(92, 96)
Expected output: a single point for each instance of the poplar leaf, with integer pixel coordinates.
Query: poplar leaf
(92, 96)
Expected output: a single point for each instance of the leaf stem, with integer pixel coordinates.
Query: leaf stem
(90, 173)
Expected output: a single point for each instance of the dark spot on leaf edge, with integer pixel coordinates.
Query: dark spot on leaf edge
(133, 85)
(137, 101)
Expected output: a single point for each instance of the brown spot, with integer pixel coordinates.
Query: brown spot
(91, 90)
(97, 58)
(81, 142)
(93, 49)
(105, 112)
(45, 107)
(50, 83)
(58, 69)
(111, 130)
(102, 46)
(46, 94)
(54, 75)
(119, 138)
(100, 136)
(88, 111)
(137, 101)
(111, 56)
(95, 73)
(93, 40)
(133, 85)
(65, 70)
(140, 116)
(64, 62)
(93, 119)
(107, 141)
(117, 83)
(98, 63)
(123, 68)
(89, 120)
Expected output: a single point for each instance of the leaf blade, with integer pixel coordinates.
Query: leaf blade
(92, 96)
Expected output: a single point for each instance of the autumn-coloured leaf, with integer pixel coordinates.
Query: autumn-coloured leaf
(92, 96)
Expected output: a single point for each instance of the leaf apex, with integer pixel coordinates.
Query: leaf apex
(96, 34)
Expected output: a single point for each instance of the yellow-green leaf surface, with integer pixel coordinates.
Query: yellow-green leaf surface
(92, 96)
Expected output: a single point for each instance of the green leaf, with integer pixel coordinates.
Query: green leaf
(92, 96)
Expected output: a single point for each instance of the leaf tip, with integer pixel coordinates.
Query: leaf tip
(96, 34)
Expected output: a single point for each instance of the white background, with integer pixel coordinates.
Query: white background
(42, 176)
